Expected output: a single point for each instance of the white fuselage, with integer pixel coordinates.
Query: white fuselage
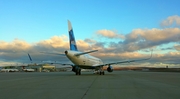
(83, 60)
(28, 70)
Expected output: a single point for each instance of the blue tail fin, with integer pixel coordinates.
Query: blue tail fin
(72, 40)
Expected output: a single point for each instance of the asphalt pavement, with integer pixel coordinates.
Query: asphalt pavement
(67, 85)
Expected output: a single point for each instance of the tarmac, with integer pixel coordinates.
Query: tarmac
(67, 85)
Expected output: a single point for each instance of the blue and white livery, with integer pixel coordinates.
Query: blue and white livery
(82, 60)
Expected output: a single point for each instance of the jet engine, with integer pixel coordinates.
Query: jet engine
(110, 68)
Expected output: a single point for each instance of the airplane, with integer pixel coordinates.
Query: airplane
(82, 60)
(25, 69)
(8, 69)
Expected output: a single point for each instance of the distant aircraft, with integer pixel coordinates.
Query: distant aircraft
(9, 70)
(25, 69)
(12, 68)
(82, 60)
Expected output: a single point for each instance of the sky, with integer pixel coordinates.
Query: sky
(119, 29)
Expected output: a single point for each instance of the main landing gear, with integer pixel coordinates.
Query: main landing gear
(78, 71)
(101, 73)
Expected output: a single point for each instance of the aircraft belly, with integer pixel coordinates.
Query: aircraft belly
(83, 64)
(86, 67)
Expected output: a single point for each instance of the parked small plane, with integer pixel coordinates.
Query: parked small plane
(82, 60)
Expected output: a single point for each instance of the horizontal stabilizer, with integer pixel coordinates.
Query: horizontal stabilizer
(78, 54)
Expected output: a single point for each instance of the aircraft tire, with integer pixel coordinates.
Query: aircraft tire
(79, 71)
(103, 73)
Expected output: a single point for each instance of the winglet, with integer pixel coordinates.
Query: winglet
(150, 56)
(72, 40)
(151, 53)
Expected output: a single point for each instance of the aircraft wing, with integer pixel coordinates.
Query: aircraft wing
(112, 63)
(54, 53)
(50, 62)
(126, 61)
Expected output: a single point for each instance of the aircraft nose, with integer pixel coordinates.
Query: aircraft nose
(66, 52)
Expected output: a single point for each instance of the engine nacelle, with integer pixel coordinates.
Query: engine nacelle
(110, 68)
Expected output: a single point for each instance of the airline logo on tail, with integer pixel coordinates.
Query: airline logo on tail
(71, 37)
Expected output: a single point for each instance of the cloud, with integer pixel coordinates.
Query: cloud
(110, 34)
(14, 46)
(126, 46)
(55, 42)
(17, 49)
(90, 41)
(169, 48)
(82, 45)
(177, 47)
(113, 52)
(140, 39)
(145, 38)
(172, 20)
(155, 35)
